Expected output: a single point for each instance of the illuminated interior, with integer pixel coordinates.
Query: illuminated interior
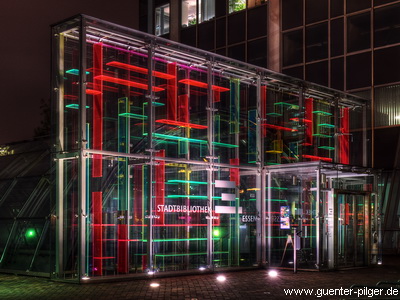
(169, 158)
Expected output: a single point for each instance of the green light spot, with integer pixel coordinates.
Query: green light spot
(74, 106)
(225, 145)
(216, 233)
(326, 125)
(74, 72)
(133, 116)
(326, 148)
(155, 103)
(30, 233)
(187, 181)
(320, 112)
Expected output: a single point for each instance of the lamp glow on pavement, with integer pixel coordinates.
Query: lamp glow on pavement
(221, 278)
(272, 273)
(154, 284)
(202, 268)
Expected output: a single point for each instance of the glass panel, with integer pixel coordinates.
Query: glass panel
(292, 14)
(256, 52)
(387, 25)
(206, 10)
(162, 20)
(352, 5)
(317, 73)
(387, 65)
(189, 16)
(387, 108)
(236, 5)
(358, 32)
(380, 2)
(252, 3)
(220, 8)
(336, 8)
(291, 202)
(236, 28)
(337, 74)
(317, 42)
(188, 36)
(296, 72)
(221, 33)
(337, 38)
(180, 230)
(360, 207)
(355, 78)
(316, 10)
(257, 22)
(237, 52)
(206, 36)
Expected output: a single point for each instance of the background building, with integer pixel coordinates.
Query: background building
(349, 45)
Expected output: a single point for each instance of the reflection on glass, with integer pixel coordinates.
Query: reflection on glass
(162, 20)
(189, 17)
(236, 5)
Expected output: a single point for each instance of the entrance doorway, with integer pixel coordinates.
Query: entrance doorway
(348, 229)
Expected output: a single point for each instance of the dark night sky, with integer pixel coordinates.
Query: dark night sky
(25, 54)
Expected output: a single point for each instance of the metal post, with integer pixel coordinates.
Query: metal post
(210, 169)
(58, 94)
(261, 242)
(318, 218)
(82, 213)
(150, 149)
(269, 217)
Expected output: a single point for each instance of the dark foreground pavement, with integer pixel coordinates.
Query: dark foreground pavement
(254, 284)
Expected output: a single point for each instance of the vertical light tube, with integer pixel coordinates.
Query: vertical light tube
(58, 90)
(210, 169)
(269, 208)
(97, 161)
(82, 213)
(318, 218)
(150, 149)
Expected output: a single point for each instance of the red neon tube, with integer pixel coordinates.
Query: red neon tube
(127, 83)
(97, 162)
(203, 85)
(139, 70)
(344, 138)
(313, 157)
(97, 211)
(280, 127)
(182, 124)
(172, 92)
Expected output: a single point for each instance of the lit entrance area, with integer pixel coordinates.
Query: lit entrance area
(352, 211)
(320, 216)
(172, 159)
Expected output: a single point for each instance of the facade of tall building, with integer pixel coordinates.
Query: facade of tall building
(349, 45)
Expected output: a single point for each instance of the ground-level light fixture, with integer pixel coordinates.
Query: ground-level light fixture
(221, 278)
(272, 273)
(154, 284)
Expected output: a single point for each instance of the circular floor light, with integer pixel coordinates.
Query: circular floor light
(221, 278)
(272, 273)
(154, 284)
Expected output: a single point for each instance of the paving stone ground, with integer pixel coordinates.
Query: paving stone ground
(253, 284)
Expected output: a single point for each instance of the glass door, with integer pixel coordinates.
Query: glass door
(351, 229)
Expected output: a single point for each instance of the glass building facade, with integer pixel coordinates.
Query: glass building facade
(170, 158)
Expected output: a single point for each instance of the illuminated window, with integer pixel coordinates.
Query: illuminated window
(252, 3)
(207, 10)
(236, 5)
(194, 12)
(162, 19)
